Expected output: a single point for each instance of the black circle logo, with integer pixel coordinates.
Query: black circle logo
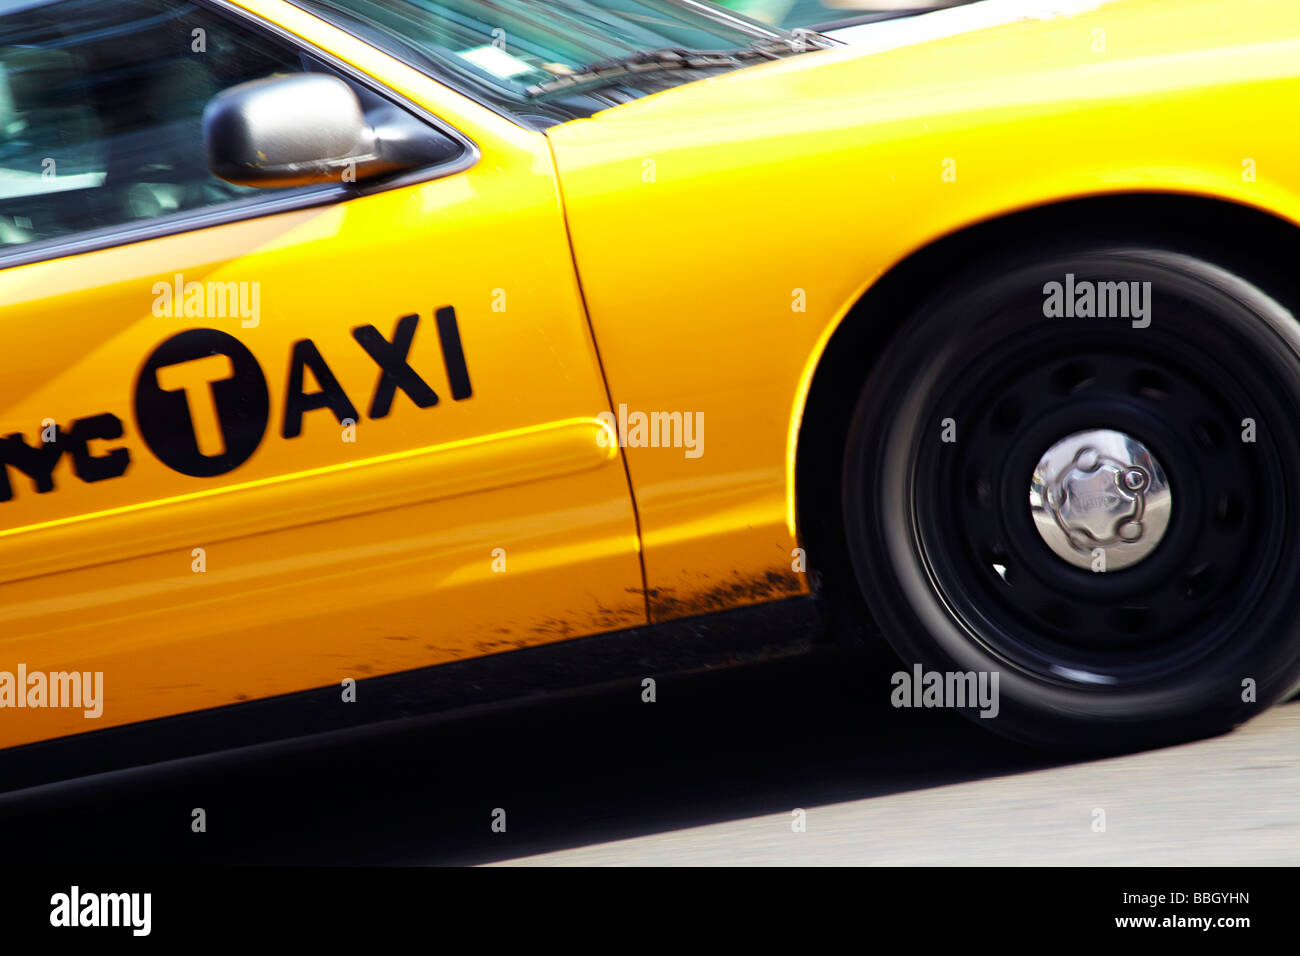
(201, 403)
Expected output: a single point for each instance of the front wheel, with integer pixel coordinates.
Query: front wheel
(1080, 476)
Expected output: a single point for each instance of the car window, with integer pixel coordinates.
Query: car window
(503, 52)
(824, 14)
(101, 108)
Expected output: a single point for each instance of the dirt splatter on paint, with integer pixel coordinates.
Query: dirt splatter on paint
(707, 596)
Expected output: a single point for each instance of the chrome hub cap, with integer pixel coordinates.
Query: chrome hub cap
(1100, 500)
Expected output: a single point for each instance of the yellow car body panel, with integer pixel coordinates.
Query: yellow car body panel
(721, 231)
(438, 534)
(724, 229)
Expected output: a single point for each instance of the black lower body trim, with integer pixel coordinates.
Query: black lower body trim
(759, 632)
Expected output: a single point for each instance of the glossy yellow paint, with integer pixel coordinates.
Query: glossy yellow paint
(706, 217)
(440, 533)
(721, 231)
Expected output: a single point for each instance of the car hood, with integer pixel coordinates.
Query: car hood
(1079, 48)
(906, 31)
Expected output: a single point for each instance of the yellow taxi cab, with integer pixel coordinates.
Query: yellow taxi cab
(353, 345)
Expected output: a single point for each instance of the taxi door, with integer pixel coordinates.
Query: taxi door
(255, 441)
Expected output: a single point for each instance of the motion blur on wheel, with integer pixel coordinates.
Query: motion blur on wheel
(1087, 485)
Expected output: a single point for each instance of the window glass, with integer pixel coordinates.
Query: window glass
(832, 13)
(503, 52)
(101, 105)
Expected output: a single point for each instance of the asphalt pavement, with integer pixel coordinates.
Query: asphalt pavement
(711, 772)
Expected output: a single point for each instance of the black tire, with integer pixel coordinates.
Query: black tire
(1161, 651)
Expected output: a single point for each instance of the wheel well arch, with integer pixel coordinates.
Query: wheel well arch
(1254, 243)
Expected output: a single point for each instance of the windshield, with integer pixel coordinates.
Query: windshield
(503, 51)
(829, 14)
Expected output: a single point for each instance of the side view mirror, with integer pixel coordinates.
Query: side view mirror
(304, 129)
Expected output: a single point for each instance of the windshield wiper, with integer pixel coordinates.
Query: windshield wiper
(674, 58)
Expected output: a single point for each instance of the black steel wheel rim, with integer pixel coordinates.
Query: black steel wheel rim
(1182, 387)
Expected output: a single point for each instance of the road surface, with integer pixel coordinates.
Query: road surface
(710, 773)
